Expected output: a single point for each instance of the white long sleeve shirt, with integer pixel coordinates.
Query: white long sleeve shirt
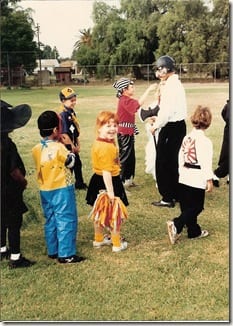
(172, 104)
(197, 150)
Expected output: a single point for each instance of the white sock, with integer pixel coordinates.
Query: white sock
(215, 177)
(15, 256)
(3, 249)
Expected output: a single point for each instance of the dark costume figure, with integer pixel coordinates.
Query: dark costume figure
(223, 164)
(13, 183)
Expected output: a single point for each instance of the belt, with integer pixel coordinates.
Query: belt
(192, 166)
(126, 124)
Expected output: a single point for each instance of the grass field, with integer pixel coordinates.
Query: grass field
(151, 280)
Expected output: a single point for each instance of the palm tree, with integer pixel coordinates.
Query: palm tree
(85, 39)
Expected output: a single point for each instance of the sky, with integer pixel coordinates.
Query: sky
(61, 20)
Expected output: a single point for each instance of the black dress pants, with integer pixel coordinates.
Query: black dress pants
(167, 150)
(191, 205)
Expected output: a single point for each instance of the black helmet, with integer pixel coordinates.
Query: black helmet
(167, 62)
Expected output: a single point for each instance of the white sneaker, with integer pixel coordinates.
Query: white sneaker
(106, 242)
(123, 246)
(127, 183)
(204, 233)
(172, 232)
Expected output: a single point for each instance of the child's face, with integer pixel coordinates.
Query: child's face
(129, 91)
(70, 103)
(108, 130)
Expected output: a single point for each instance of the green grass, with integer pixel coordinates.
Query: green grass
(151, 280)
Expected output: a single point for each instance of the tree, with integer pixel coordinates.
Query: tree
(49, 53)
(17, 45)
(194, 31)
(182, 32)
(85, 39)
(219, 26)
(7, 6)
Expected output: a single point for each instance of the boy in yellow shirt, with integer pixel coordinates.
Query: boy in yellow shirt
(53, 163)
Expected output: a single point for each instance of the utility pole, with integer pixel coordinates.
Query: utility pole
(38, 40)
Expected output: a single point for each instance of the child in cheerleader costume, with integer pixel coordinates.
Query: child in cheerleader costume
(53, 163)
(105, 190)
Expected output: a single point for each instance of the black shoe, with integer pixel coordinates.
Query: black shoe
(162, 203)
(216, 183)
(21, 262)
(82, 186)
(5, 255)
(53, 256)
(71, 260)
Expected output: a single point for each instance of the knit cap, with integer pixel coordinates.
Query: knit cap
(121, 84)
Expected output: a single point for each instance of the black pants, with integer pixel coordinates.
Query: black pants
(191, 205)
(223, 163)
(11, 229)
(167, 150)
(77, 169)
(127, 156)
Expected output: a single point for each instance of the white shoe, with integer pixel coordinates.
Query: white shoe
(123, 246)
(204, 233)
(106, 242)
(127, 183)
(172, 232)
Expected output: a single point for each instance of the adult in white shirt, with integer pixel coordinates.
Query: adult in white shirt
(171, 122)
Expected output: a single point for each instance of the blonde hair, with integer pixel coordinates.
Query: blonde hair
(104, 117)
(201, 118)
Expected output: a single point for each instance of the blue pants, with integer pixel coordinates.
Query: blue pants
(61, 225)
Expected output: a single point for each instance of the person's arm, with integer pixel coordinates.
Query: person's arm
(67, 141)
(142, 99)
(17, 175)
(107, 176)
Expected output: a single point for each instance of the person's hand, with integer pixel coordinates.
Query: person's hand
(209, 185)
(76, 149)
(111, 196)
(153, 130)
(151, 120)
(153, 87)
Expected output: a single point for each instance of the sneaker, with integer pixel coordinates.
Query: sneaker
(21, 262)
(204, 233)
(71, 260)
(5, 254)
(123, 246)
(172, 232)
(82, 186)
(53, 256)
(162, 203)
(216, 183)
(106, 242)
(127, 183)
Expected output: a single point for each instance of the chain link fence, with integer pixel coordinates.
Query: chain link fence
(191, 72)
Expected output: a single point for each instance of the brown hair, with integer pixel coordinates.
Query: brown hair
(201, 118)
(103, 118)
